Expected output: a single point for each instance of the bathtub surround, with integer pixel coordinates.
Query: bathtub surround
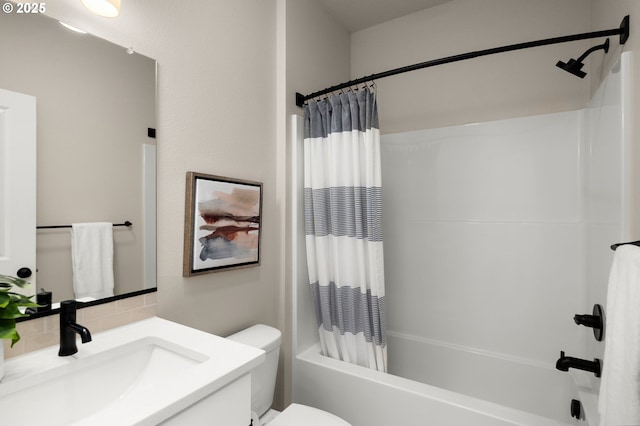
(457, 338)
(488, 376)
(484, 227)
(520, 214)
(343, 226)
(523, 209)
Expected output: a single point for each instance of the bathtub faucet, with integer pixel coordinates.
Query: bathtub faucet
(564, 363)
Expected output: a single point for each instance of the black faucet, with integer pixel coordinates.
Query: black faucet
(69, 328)
(564, 363)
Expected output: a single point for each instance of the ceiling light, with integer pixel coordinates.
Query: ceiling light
(106, 8)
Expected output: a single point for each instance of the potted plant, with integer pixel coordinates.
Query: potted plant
(10, 304)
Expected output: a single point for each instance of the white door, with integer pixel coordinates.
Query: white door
(18, 186)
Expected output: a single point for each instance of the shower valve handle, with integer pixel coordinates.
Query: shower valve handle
(595, 321)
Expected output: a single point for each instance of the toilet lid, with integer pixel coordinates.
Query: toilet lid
(296, 415)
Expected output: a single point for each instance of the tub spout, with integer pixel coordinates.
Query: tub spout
(564, 363)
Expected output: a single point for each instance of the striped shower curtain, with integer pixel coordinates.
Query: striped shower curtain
(343, 226)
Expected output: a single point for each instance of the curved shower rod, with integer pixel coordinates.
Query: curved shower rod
(623, 31)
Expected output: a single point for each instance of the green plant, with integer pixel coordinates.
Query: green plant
(10, 304)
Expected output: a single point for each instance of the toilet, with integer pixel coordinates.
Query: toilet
(263, 382)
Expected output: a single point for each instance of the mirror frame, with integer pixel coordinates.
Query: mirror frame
(134, 293)
(82, 305)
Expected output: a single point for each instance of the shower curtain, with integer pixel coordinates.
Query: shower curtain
(343, 226)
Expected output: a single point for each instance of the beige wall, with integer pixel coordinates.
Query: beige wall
(506, 85)
(314, 53)
(217, 115)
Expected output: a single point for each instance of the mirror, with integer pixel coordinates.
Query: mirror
(96, 105)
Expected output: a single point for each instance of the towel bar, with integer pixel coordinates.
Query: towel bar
(126, 223)
(635, 243)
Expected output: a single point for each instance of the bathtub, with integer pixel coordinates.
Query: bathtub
(476, 389)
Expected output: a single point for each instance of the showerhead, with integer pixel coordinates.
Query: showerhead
(574, 66)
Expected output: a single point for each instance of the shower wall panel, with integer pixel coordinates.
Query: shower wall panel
(484, 235)
(607, 176)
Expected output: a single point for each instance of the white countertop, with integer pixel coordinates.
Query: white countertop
(219, 362)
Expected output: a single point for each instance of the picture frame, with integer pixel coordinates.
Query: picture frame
(223, 220)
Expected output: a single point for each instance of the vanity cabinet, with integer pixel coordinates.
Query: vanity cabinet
(229, 406)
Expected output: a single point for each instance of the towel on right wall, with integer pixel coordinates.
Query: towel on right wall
(619, 401)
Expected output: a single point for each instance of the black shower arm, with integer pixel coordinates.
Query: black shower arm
(604, 46)
(622, 31)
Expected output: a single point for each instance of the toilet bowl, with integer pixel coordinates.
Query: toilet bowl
(263, 381)
(298, 415)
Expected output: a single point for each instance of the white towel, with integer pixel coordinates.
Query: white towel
(92, 259)
(619, 401)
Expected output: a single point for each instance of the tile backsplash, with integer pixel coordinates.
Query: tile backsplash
(42, 332)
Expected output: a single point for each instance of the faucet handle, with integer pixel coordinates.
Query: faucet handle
(595, 321)
(68, 305)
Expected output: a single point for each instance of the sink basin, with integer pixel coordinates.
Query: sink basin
(74, 391)
(141, 373)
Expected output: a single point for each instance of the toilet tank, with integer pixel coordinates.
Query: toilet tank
(263, 377)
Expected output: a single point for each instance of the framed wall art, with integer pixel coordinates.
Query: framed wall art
(222, 224)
